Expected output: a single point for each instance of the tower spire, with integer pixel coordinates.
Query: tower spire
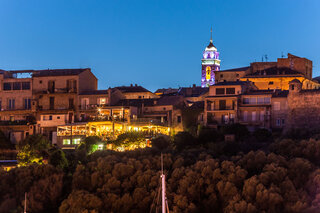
(211, 35)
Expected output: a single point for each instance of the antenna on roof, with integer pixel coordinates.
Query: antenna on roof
(282, 56)
(266, 57)
(262, 58)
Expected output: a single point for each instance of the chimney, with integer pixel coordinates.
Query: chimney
(194, 85)
(131, 85)
(136, 85)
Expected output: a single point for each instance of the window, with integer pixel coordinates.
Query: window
(230, 91)
(221, 75)
(66, 141)
(292, 87)
(51, 102)
(11, 118)
(237, 75)
(262, 116)
(254, 116)
(16, 86)
(25, 85)
(245, 115)
(276, 106)
(7, 86)
(245, 100)
(58, 117)
(102, 101)
(27, 103)
(71, 106)
(222, 104)
(270, 82)
(252, 100)
(0, 104)
(40, 82)
(11, 103)
(220, 91)
(50, 117)
(278, 122)
(283, 121)
(44, 117)
(267, 100)
(260, 100)
(179, 119)
(76, 141)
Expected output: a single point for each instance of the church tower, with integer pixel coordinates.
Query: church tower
(210, 63)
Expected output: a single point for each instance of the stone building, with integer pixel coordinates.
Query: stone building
(303, 107)
(273, 75)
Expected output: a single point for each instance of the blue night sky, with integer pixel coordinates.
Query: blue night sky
(155, 44)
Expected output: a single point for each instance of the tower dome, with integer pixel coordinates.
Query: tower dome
(210, 64)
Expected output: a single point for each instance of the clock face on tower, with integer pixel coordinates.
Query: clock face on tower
(208, 72)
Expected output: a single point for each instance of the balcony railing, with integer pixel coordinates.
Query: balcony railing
(221, 108)
(55, 90)
(16, 122)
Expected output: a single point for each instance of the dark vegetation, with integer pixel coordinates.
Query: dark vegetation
(255, 173)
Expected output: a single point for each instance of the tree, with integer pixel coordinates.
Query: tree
(90, 144)
(240, 131)
(161, 142)
(183, 140)
(33, 150)
(57, 158)
(5, 142)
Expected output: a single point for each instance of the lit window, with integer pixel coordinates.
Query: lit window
(102, 101)
(66, 141)
(76, 141)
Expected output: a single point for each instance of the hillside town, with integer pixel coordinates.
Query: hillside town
(66, 106)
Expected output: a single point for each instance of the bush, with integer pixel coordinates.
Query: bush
(262, 135)
(209, 135)
(184, 139)
(240, 131)
(161, 142)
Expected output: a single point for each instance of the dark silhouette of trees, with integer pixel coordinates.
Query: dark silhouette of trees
(285, 178)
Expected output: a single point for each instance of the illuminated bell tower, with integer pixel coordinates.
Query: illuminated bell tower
(210, 63)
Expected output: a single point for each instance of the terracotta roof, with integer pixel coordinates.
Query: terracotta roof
(192, 91)
(127, 89)
(240, 69)
(284, 71)
(226, 83)
(94, 92)
(57, 72)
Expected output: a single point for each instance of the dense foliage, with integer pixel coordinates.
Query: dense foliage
(205, 175)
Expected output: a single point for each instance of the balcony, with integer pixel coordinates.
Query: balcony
(221, 108)
(149, 121)
(55, 91)
(16, 122)
(92, 106)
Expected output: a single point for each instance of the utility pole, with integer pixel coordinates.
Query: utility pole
(163, 181)
(25, 202)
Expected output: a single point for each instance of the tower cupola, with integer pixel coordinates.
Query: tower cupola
(210, 64)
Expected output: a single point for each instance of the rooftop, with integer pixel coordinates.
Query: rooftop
(240, 69)
(136, 88)
(94, 92)
(57, 72)
(275, 71)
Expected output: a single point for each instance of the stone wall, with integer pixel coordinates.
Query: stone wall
(304, 109)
